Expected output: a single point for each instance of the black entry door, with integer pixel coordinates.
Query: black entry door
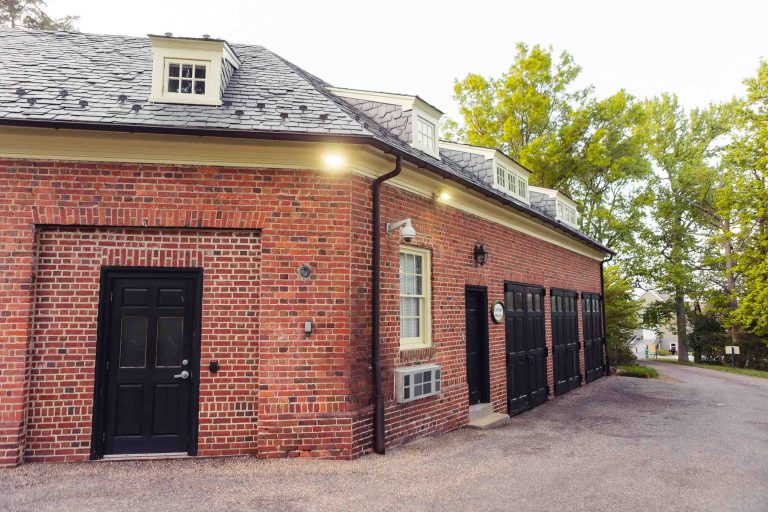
(526, 347)
(149, 382)
(565, 341)
(594, 360)
(478, 374)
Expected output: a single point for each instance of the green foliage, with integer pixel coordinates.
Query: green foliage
(520, 111)
(588, 148)
(663, 352)
(746, 202)
(707, 337)
(621, 316)
(635, 370)
(30, 14)
(659, 314)
(682, 147)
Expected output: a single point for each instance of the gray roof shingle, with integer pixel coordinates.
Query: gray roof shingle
(68, 78)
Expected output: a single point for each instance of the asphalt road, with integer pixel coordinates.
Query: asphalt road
(694, 440)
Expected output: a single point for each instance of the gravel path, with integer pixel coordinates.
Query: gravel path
(694, 440)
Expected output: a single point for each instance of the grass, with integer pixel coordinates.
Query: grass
(721, 368)
(635, 370)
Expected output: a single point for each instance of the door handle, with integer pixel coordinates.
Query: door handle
(183, 375)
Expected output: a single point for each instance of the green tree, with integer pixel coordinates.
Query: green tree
(31, 14)
(600, 156)
(590, 149)
(521, 111)
(622, 315)
(746, 202)
(683, 148)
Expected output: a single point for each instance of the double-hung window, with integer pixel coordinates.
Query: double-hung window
(415, 273)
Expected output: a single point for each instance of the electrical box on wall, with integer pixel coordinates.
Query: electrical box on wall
(415, 382)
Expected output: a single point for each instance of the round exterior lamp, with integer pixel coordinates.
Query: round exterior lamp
(481, 255)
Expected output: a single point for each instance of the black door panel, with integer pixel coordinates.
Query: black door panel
(565, 340)
(151, 362)
(594, 359)
(526, 347)
(478, 374)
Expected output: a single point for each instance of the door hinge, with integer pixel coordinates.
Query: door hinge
(103, 436)
(107, 365)
(111, 296)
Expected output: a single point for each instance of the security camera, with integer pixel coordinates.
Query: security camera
(407, 233)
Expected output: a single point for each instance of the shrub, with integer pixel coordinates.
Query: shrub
(635, 370)
(663, 352)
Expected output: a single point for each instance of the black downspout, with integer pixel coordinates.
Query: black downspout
(602, 290)
(378, 412)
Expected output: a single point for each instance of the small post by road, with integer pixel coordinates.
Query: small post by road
(733, 350)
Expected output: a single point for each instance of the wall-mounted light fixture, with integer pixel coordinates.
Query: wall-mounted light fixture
(334, 161)
(481, 255)
(443, 196)
(407, 233)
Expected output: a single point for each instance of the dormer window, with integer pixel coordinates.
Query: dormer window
(567, 214)
(511, 182)
(190, 71)
(424, 138)
(408, 117)
(186, 77)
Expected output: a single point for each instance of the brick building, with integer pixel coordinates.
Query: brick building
(190, 238)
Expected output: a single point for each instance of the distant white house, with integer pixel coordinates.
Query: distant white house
(665, 338)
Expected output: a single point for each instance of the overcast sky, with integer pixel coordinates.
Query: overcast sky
(700, 50)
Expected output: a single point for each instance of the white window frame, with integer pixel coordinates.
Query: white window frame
(567, 214)
(510, 182)
(181, 62)
(417, 133)
(425, 309)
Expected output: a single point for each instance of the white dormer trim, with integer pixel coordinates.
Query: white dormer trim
(210, 53)
(419, 109)
(405, 101)
(509, 177)
(488, 153)
(566, 209)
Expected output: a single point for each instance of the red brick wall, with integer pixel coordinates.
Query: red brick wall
(63, 348)
(451, 235)
(302, 383)
(306, 396)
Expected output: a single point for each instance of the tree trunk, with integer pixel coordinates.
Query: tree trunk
(731, 278)
(682, 327)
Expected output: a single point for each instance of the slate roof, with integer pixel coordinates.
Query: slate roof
(64, 78)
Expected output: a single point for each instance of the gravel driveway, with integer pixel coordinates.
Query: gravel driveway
(694, 440)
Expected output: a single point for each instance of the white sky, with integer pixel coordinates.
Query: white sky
(700, 50)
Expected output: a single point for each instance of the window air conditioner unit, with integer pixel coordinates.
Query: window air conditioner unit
(415, 382)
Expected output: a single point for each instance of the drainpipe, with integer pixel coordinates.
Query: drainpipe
(602, 290)
(378, 412)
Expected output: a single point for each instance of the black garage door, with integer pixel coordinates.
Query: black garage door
(565, 341)
(594, 360)
(526, 349)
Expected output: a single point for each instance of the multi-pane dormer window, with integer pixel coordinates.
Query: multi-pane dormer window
(511, 182)
(424, 136)
(190, 71)
(567, 214)
(186, 77)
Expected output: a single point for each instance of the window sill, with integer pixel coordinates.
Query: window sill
(184, 99)
(415, 346)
